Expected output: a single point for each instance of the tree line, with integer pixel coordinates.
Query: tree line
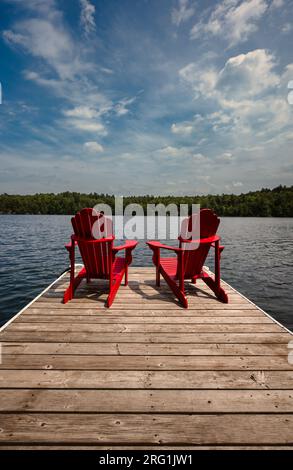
(277, 202)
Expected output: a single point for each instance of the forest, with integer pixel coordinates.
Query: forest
(277, 202)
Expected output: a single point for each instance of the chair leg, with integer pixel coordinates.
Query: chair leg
(74, 283)
(218, 290)
(114, 288)
(179, 293)
(69, 293)
(112, 293)
(158, 283)
(126, 276)
(215, 284)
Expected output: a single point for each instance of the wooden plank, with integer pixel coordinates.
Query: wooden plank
(121, 362)
(138, 301)
(154, 447)
(142, 278)
(64, 379)
(91, 337)
(146, 401)
(216, 305)
(137, 284)
(184, 328)
(111, 320)
(110, 312)
(139, 296)
(265, 429)
(138, 289)
(146, 349)
(140, 292)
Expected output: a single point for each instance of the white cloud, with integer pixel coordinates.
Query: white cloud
(42, 7)
(13, 38)
(219, 118)
(88, 118)
(237, 184)
(106, 70)
(87, 16)
(186, 154)
(233, 19)
(242, 77)
(183, 128)
(121, 107)
(85, 118)
(59, 87)
(277, 3)
(46, 37)
(101, 107)
(287, 28)
(199, 158)
(245, 94)
(226, 157)
(88, 126)
(94, 147)
(48, 41)
(202, 80)
(247, 75)
(83, 112)
(171, 151)
(182, 13)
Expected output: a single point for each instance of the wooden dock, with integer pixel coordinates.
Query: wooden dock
(145, 373)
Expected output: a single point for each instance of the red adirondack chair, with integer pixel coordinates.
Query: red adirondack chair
(188, 264)
(98, 253)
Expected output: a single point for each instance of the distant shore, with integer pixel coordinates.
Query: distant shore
(277, 202)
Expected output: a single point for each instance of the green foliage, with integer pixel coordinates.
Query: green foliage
(277, 202)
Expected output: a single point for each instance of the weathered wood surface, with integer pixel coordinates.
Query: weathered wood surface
(145, 373)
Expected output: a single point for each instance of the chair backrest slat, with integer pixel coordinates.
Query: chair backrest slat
(95, 256)
(194, 259)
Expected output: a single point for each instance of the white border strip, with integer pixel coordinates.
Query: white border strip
(250, 301)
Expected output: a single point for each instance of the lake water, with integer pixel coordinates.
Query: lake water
(257, 260)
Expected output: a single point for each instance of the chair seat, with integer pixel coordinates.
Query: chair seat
(169, 265)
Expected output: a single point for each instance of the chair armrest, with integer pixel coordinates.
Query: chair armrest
(202, 241)
(91, 240)
(158, 246)
(221, 247)
(128, 245)
(69, 246)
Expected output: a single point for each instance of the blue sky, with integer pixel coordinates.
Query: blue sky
(145, 96)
